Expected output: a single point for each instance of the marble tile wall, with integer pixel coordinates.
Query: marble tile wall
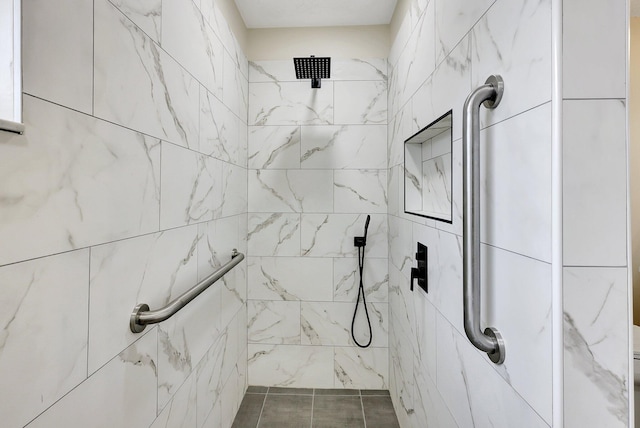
(443, 50)
(128, 186)
(596, 277)
(317, 163)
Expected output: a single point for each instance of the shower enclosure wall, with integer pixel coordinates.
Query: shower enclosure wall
(148, 157)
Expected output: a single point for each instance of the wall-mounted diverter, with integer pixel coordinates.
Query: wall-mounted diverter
(420, 272)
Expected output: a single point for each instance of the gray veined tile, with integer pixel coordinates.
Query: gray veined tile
(57, 52)
(147, 15)
(291, 191)
(219, 129)
(191, 187)
(274, 322)
(513, 40)
(346, 277)
(362, 368)
(152, 269)
(343, 147)
(290, 278)
(80, 181)
(138, 85)
(291, 365)
(43, 333)
(290, 103)
(360, 191)
(192, 42)
(360, 102)
(122, 393)
(273, 234)
(274, 147)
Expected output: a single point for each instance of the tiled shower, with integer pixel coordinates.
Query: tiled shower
(154, 147)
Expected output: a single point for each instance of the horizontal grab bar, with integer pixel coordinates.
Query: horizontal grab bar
(141, 315)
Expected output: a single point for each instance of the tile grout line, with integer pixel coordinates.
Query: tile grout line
(313, 399)
(262, 408)
(364, 418)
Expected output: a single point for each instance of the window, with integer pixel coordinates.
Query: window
(10, 67)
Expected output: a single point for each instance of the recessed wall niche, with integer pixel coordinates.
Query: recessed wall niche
(427, 171)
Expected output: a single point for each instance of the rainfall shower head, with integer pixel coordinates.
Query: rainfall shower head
(314, 68)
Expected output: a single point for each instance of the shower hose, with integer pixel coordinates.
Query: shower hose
(361, 244)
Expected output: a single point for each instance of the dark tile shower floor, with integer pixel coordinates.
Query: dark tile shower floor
(318, 408)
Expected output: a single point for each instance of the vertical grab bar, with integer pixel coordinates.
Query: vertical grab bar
(489, 341)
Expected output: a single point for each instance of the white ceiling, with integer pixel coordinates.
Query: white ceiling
(314, 13)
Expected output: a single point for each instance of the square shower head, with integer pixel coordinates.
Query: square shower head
(314, 68)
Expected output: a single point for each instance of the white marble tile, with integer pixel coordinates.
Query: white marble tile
(360, 102)
(236, 88)
(181, 410)
(344, 147)
(209, 378)
(43, 333)
(454, 19)
(74, 181)
(516, 292)
(145, 14)
(357, 368)
(360, 191)
(425, 331)
(464, 380)
(593, 29)
(229, 399)
(191, 41)
(401, 245)
(419, 55)
(138, 85)
(329, 323)
(514, 40)
(57, 51)
(152, 269)
(191, 187)
(273, 234)
(596, 350)
(290, 103)
(446, 90)
(274, 147)
(120, 394)
(515, 196)
(400, 41)
(331, 235)
(395, 191)
(274, 322)
(214, 418)
(272, 71)
(401, 356)
(291, 366)
(359, 69)
(291, 278)
(401, 128)
(413, 178)
(216, 19)
(233, 199)
(219, 129)
(594, 183)
(444, 270)
(291, 191)
(216, 243)
(437, 192)
(430, 410)
(346, 278)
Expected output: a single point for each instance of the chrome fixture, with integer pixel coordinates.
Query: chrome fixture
(141, 315)
(489, 341)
